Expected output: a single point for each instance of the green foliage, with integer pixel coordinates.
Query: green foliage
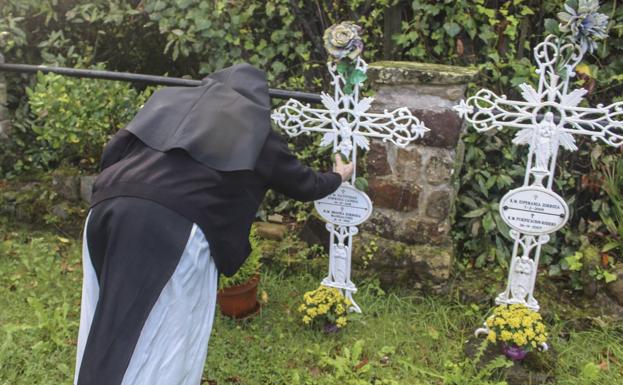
(40, 278)
(611, 212)
(471, 372)
(586, 265)
(348, 367)
(74, 118)
(250, 267)
(39, 286)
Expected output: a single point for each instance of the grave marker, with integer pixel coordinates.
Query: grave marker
(347, 125)
(547, 118)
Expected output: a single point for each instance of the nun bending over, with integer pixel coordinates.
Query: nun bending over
(171, 209)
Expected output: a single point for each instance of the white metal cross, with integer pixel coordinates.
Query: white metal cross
(547, 118)
(347, 125)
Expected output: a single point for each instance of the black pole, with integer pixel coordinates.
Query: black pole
(145, 79)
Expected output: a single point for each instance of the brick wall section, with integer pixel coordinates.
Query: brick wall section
(414, 189)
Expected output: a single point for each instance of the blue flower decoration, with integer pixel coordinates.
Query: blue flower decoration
(584, 24)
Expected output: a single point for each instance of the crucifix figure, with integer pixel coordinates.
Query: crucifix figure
(347, 125)
(547, 119)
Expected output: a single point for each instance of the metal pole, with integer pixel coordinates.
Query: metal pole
(145, 79)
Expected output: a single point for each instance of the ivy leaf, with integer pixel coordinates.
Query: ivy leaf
(452, 29)
(554, 271)
(361, 183)
(357, 77)
(551, 27)
(574, 261)
(487, 222)
(609, 277)
(475, 213)
(348, 88)
(343, 67)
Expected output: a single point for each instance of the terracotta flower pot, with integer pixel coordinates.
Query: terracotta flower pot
(239, 301)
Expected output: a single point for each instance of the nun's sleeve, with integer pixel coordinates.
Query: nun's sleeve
(285, 174)
(117, 148)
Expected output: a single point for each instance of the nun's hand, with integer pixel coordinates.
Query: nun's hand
(344, 169)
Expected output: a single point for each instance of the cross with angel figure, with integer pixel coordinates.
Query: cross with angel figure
(347, 125)
(549, 117)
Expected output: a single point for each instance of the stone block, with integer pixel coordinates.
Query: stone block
(392, 97)
(416, 230)
(60, 211)
(399, 72)
(67, 186)
(86, 187)
(314, 232)
(269, 230)
(615, 289)
(5, 129)
(439, 170)
(445, 127)
(382, 222)
(421, 266)
(394, 195)
(376, 161)
(408, 163)
(438, 204)
(408, 228)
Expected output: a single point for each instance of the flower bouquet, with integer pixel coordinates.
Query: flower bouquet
(325, 306)
(518, 328)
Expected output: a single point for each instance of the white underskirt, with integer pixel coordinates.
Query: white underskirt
(173, 343)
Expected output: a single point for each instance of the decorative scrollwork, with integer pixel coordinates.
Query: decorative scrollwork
(345, 120)
(548, 117)
(347, 124)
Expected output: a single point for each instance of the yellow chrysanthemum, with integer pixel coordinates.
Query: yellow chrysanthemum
(491, 336)
(506, 335)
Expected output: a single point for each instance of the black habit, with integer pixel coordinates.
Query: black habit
(202, 156)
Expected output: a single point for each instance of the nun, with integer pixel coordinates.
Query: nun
(171, 209)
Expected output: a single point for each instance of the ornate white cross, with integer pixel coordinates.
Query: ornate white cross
(347, 125)
(547, 119)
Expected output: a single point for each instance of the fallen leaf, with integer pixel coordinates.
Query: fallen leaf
(362, 363)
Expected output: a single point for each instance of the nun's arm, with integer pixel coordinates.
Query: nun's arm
(285, 174)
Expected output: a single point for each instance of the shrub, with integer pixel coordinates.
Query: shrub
(74, 118)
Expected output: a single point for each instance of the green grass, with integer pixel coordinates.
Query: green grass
(404, 336)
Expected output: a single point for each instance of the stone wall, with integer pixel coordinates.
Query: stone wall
(5, 122)
(414, 189)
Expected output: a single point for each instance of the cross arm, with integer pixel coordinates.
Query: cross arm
(486, 111)
(604, 123)
(398, 126)
(296, 118)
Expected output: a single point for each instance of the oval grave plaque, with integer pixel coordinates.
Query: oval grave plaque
(534, 210)
(347, 206)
